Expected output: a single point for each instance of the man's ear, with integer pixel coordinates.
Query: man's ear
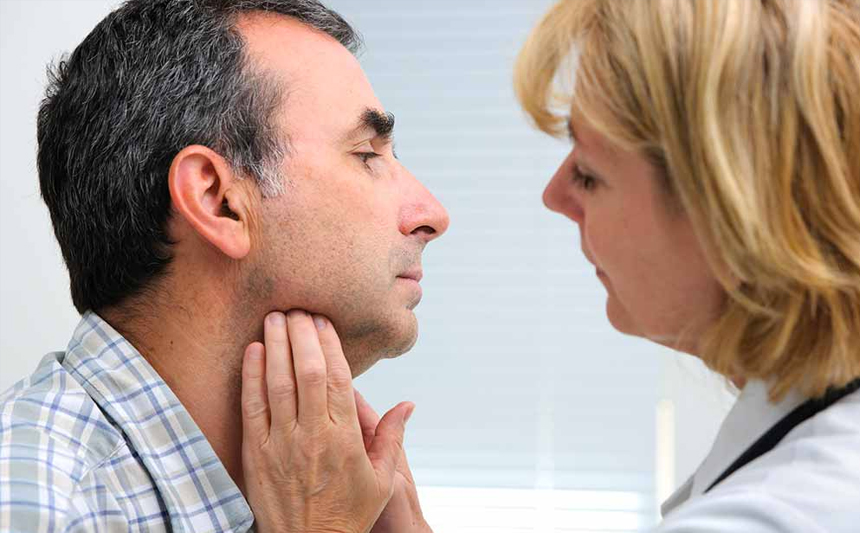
(207, 194)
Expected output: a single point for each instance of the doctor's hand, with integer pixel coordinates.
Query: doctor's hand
(305, 465)
(403, 512)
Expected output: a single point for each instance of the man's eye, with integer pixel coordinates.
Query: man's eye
(366, 156)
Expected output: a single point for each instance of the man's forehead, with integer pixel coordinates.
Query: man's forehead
(326, 91)
(280, 44)
(259, 29)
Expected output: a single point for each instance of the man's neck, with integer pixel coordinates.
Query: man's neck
(197, 348)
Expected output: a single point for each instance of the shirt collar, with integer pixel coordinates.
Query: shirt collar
(751, 417)
(678, 497)
(181, 462)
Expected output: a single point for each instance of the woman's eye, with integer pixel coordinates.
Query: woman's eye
(583, 180)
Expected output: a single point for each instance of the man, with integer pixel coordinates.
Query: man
(204, 162)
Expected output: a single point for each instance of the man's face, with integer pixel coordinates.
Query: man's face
(346, 237)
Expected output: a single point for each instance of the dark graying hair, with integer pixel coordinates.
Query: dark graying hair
(151, 78)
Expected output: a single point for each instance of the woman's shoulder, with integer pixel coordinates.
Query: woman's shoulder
(810, 481)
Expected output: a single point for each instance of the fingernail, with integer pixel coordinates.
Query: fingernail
(277, 319)
(319, 322)
(295, 314)
(408, 415)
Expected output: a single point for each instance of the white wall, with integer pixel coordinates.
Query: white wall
(36, 313)
(521, 384)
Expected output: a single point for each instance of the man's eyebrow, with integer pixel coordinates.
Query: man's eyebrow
(375, 120)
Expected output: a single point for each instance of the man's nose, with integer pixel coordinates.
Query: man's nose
(423, 214)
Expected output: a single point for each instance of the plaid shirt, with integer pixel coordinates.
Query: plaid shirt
(94, 440)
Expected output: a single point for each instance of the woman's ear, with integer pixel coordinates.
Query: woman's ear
(206, 192)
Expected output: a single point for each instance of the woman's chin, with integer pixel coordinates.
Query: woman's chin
(620, 318)
(624, 323)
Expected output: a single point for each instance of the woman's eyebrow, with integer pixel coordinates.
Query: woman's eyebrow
(571, 132)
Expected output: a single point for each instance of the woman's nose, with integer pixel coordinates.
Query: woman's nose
(561, 195)
(550, 195)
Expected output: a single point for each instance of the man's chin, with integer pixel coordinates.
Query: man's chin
(407, 345)
(384, 343)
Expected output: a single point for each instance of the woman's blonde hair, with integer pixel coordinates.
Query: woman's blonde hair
(752, 110)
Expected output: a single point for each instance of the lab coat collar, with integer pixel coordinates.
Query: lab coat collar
(751, 417)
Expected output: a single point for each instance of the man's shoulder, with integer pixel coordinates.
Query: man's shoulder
(50, 427)
(64, 463)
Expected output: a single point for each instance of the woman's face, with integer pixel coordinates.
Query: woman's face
(644, 249)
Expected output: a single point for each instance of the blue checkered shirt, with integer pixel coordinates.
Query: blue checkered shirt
(94, 440)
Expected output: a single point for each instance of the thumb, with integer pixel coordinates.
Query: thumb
(367, 419)
(387, 447)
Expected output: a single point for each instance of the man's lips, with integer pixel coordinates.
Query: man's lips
(414, 274)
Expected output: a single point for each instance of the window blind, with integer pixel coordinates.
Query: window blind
(533, 414)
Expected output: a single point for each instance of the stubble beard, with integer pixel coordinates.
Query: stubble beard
(370, 341)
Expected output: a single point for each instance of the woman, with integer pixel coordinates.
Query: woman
(715, 179)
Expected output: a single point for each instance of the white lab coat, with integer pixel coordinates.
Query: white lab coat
(808, 483)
